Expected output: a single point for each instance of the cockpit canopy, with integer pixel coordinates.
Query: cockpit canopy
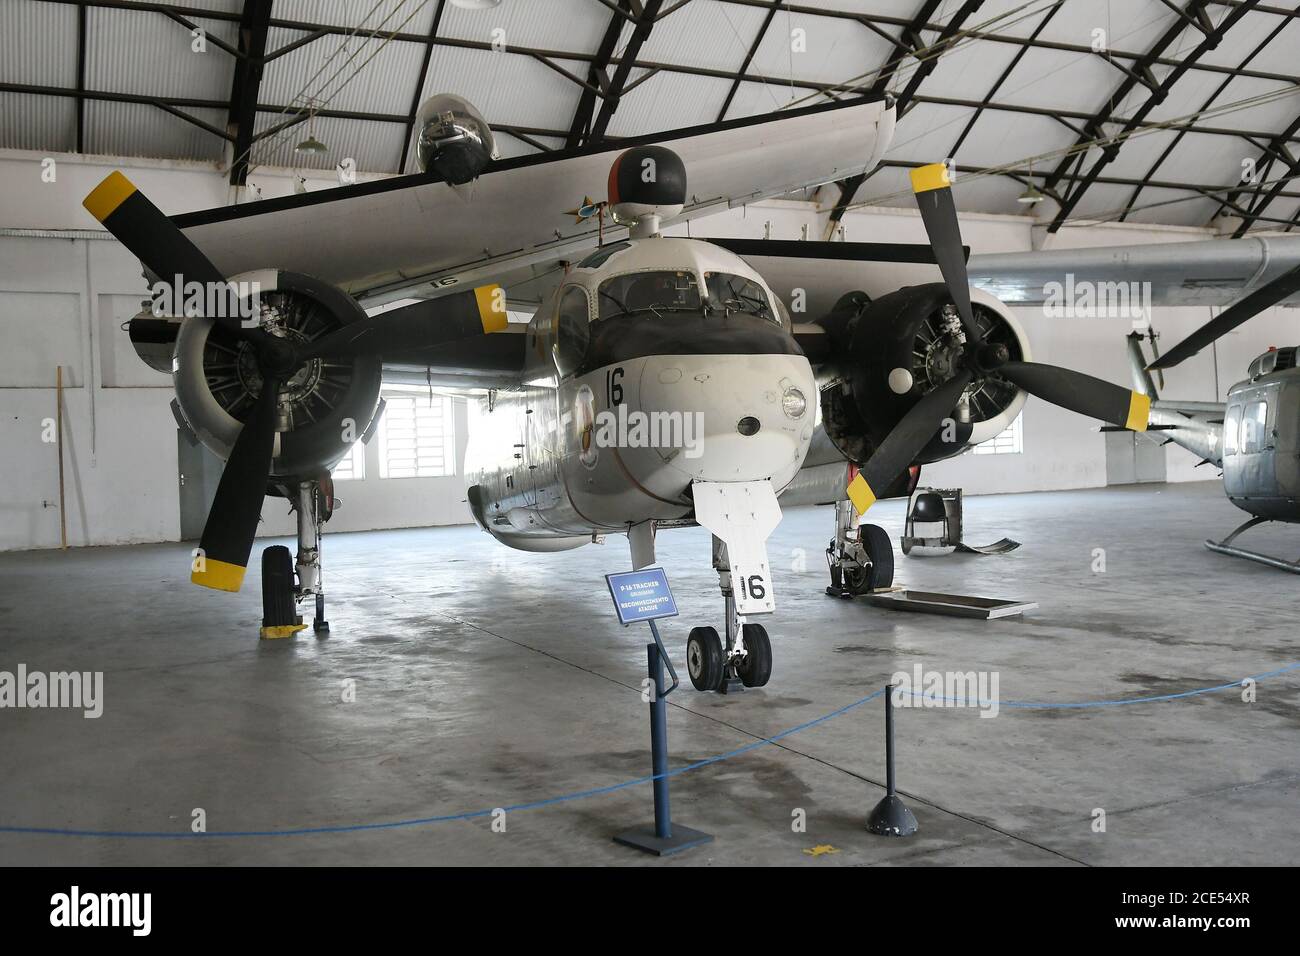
(678, 291)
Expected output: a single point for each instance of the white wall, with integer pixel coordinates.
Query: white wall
(62, 301)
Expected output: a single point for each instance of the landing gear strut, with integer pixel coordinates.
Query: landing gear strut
(744, 659)
(860, 558)
(313, 503)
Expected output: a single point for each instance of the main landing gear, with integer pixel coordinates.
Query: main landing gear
(861, 557)
(744, 660)
(313, 502)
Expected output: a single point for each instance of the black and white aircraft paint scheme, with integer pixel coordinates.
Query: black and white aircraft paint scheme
(631, 329)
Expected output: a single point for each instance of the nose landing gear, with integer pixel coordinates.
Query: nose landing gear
(860, 558)
(744, 660)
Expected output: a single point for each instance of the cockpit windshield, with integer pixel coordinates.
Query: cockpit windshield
(656, 292)
(733, 293)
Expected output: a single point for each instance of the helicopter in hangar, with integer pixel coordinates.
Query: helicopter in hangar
(641, 329)
(1254, 436)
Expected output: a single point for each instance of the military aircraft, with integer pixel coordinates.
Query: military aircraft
(661, 381)
(1254, 437)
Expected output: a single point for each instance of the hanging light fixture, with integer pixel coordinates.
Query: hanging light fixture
(1031, 196)
(311, 144)
(476, 4)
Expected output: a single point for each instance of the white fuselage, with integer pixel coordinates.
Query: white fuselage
(613, 422)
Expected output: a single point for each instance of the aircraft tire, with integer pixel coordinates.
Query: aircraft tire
(875, 540)
(756, 669)
(704, 661)
(277, 587)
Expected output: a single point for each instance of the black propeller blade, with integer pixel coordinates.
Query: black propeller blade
(1234, 315)
(232, 523)
(154, 239)
(907, 439)
(1080, 393)
(1068, 389)
(422, 325)
(934, 198)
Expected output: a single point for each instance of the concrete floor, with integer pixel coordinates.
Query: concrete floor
(489, 678)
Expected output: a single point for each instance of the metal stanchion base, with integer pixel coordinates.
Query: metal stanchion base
(644, 838)
(891, 818)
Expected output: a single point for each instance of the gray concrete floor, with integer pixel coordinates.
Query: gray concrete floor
(489, 678)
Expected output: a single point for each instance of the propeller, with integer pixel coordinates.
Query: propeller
(1234, 315)
(1068, 389)
(232, 521)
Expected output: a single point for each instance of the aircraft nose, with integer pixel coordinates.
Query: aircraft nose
(748, 417)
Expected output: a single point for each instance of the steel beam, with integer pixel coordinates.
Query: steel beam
(242, 118)
(1111, 149)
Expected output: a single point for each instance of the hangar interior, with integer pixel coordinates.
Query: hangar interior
(493, 678)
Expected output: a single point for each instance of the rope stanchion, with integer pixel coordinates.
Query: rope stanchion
(597, 791)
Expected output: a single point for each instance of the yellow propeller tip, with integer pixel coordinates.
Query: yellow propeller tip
(1139, 412)
(860, 494)
(219, 575)
(926, 178)
(108, 195)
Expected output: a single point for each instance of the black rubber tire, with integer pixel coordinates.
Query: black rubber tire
(856, 580)
(755, 669)
(277, 587)
(704, 661)
(880, 549)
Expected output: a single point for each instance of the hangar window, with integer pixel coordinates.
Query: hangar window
(1009, 441)
(353, 465)
(417, 435)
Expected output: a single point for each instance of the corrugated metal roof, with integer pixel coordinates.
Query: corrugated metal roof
(118, 129)
(42, 123)
(696, 48)
(374, 147)
(38, 44)
(140, 52)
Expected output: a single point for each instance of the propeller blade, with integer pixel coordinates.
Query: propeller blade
(1274, 292)
(423, 325)
(1081, 393)
(933, 191)
(905, 442)
(154, 239)
(232, 523)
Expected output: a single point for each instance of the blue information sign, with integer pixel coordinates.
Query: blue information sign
(641, 595)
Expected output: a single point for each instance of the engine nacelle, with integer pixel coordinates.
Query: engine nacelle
(902, 346)
(324, 407)
(453, 139)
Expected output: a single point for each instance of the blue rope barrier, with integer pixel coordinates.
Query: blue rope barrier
(612, 788)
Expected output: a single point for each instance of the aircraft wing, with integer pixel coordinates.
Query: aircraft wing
(417, 237)
(1208, 272)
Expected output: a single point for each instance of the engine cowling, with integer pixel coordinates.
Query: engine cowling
(324, 407)
(901, 346)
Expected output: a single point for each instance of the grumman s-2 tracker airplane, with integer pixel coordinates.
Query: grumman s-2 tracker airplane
(625, 328)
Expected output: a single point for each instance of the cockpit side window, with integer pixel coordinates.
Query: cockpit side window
(733, 293)
(658, 292)
(1231, 425)
(572, 332)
